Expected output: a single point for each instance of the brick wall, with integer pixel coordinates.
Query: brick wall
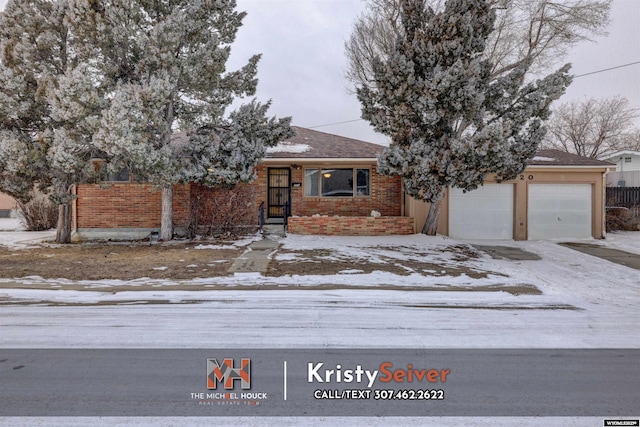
(386, 196)
(135, 205)
(351, 226)
(127, 205)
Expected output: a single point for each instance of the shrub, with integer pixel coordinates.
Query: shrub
(39, 213)
(621, 218)
(223, 211)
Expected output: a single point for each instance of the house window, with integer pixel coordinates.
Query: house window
(121, 176)
(627, 159)
(311, 183)
(336, 182)
(362, 182)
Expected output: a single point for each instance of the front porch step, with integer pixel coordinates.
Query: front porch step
(273, 230)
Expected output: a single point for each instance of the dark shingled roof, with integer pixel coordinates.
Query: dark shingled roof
(311, 144)
(562, 158)
(325, 146)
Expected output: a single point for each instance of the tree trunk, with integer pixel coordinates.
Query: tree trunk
(63, 231)
(433, 217)
(166, 224)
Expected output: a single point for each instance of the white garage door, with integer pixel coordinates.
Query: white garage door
(559, 211)
(484, 213)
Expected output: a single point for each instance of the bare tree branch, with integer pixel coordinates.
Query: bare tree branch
(594, 127)
(539, 31)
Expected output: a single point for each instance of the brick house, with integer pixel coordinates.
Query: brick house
(329, 183)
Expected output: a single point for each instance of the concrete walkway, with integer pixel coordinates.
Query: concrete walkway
(256, 258)
(617, 256)
(258, 255)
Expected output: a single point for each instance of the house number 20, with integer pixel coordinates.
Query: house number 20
(530, 177)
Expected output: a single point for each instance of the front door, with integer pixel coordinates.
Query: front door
(278, 192)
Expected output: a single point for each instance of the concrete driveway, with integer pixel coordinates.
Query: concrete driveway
(613, 255)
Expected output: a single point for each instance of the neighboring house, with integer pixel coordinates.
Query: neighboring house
(331, 185)
(627, 173)
(8, 206)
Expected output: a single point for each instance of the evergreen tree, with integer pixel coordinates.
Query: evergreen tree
(35, 51)
(118, 79)
(165, 61)
(450, 122)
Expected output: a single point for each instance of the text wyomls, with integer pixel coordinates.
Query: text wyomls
(385, 373)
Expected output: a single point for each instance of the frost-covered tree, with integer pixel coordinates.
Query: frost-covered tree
(118, 80)
(593, 127)
(75, 107)
(539, 31)
(165, 61)
(35, 51)
(450, 121)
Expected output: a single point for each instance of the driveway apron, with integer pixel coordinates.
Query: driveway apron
(617, 256)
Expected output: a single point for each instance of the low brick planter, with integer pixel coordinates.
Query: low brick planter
(351, 225)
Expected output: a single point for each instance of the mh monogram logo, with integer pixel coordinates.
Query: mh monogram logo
(226, 373)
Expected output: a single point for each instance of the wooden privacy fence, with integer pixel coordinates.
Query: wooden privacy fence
(623, 196)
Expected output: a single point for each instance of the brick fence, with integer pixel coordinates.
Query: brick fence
(351, 226)
(127, 205)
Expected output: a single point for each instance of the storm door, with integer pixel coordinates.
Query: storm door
(278, 192)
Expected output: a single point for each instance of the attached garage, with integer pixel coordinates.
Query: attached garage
(559, 211)
(484, 213)
(558, 195)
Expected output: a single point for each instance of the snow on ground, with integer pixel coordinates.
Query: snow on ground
(585, 302)
(12, 234)
(240, 243)
(11, 224)
(624, 240)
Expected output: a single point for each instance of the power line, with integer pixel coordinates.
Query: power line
(575, 77)
(607, 69)
(337, 123)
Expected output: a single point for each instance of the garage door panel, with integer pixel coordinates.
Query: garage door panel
(559, 211)
(551, 203)
(484, 213)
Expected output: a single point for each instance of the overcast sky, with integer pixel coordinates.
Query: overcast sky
(303, 63)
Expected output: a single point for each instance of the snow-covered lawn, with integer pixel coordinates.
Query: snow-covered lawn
(583, 302)
(566, 299)
(12, 234)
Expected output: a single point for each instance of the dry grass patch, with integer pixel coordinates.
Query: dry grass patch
(328, 262)
(117, 261)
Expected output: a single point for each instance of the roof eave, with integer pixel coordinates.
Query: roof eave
(620, 153)
(315, 160)
(603, 168)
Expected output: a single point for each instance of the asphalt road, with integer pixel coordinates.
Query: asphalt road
(602, 383)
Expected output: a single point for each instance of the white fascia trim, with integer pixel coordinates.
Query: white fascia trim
(620, 153)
